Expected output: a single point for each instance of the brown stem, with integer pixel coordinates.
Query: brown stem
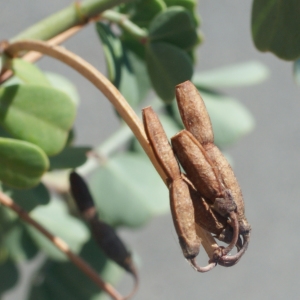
(235, 226)
(111, 93)
(62, 246)
(207, 268)
(33, 56)
(229, 261)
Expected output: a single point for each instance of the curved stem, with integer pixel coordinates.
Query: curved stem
(33, 56)
(112, 94)
(235, 226)
(62, 246)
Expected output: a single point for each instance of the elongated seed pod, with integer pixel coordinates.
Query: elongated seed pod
(82, 196)
(184, 218)
(193, 112)
(230, 182)
(193, 159)
(104, 234)
(108, 240)
(160, 144)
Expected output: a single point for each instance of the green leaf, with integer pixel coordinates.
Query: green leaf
(128, 191)
(21, 163)
(40, 115)
(64, 281)
(146, 10)
(9, 275)
(29, 199)
(276, 27)
(28, 72)
(242, 74)
(132, 44)
(167, 66)
(190, 5)
(19, 243)
(69, 158)
(126, 71)
(56, 219)
(176, 26)
(65, 85)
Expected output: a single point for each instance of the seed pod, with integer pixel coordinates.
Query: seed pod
(196, 120)
(111, 244)
(228, 179)
(82, 196)
(193, 112)
(184, 218)
(104, 234)
(160, 144)
(195, 162)
(180, 201)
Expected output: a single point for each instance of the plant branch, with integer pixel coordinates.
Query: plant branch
(75, 14)
(109, 90)
(33, 56)
(62, 246)
(123, 21)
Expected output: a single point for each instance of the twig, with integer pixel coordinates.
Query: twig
(124, 22)
(33, 56)
(62, 246)
(112, 94)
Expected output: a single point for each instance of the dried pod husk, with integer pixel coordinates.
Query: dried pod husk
(208, 218)
(183, 214)
(193, 112)
(205, 216)
(195, 162)
(160, 144)
(230, 182)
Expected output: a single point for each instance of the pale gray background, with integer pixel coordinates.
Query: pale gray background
(267, 162)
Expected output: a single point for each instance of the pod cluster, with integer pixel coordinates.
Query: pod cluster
(207, 193)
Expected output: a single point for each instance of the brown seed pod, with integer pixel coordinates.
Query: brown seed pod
(160, 144)
(195, 162)
(193, 112)
(196, 120)
(184, 218)
(229, 180)
(182, 208)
